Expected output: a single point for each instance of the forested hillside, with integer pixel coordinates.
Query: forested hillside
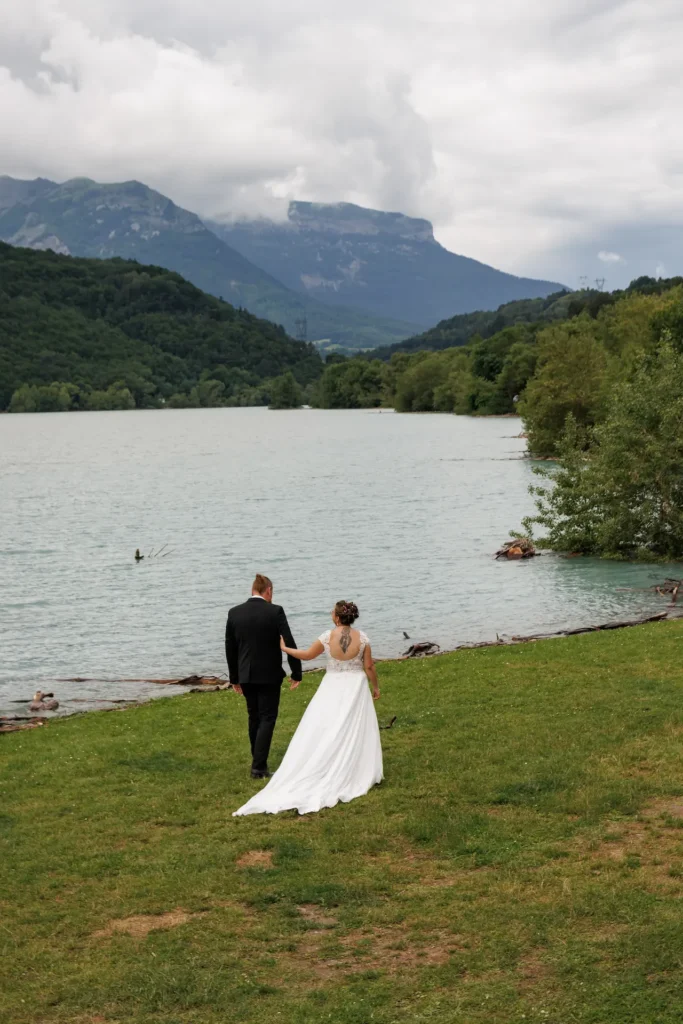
(88, 333)
(460, 329)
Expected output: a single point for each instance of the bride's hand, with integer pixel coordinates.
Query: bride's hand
(283, 645)
(375, 693)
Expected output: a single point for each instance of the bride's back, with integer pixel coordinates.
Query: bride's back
(345, 643)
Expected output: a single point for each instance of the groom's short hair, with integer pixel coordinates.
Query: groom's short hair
(261, 584)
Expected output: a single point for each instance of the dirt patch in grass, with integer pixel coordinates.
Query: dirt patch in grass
(419, 869)
(667, 807)
(140, 925)
(389, 950)
(316, 917)
(608, 932)
(651, 845)
(532, 971)
(256, 859)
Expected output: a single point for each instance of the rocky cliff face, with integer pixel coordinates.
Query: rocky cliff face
(385, 262)
(347, 219)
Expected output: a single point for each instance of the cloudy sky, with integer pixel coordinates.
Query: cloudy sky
(541, 136)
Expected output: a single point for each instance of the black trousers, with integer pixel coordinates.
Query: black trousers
(263, 703)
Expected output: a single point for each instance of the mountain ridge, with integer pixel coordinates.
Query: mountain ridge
(129, 220)
(387, 262)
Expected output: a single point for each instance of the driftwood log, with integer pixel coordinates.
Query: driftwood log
(185, 681)
(518, 547)
(421, 650)
(17, 724)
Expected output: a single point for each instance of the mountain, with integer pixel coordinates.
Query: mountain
(130, 220)
(115, 333)
(385, 262)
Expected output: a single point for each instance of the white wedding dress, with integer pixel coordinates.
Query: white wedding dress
(336, 753)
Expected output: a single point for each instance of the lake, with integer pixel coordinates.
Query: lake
(401, 513)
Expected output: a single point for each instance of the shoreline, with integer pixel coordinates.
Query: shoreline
(214, 684)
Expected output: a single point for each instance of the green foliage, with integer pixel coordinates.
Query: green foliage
(415, 387)
(143, 331)
(467, 327)
(572, 377)
(351, 384)
(285, 393)
(624, 496)
(484, 378)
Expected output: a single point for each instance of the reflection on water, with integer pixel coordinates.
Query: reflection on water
(399, 513)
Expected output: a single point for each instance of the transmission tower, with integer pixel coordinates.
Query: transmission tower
(583, 282)
(600, 283)
(301, 329)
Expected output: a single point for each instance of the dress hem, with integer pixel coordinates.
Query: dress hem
(307, 810)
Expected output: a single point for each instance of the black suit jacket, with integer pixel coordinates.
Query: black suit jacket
(252, 644)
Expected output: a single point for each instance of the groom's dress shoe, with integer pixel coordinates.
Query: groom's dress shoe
(260, 775)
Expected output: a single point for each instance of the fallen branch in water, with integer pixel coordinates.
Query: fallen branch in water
(185, 681)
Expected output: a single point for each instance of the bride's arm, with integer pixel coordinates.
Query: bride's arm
(371, 671)
(314, 651)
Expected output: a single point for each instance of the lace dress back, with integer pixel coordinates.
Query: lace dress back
(354, 664)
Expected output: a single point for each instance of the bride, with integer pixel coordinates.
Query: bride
(335, 754)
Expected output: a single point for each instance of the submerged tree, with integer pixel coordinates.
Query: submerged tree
(618, 490)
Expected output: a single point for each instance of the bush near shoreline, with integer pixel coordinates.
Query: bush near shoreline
(522, 861)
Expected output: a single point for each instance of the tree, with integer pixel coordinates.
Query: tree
(285, 393)
(352, 384)
(207, 393)
(619, 487)
(416, 387)
(572, 376)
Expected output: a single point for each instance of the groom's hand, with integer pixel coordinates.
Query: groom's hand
(296, 683)
(238, 689)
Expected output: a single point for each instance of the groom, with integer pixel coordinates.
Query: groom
(252, 647)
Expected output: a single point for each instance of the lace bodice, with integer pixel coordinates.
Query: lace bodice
(354, 664)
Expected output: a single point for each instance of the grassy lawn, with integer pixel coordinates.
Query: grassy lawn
(523, 860)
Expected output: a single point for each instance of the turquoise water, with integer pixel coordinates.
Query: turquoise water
(400, 513)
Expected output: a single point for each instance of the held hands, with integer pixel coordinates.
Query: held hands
(296, 683)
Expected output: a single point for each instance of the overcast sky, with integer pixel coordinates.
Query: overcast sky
(542, 136)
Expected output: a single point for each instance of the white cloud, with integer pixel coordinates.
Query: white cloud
(524, 130)
(610, 257)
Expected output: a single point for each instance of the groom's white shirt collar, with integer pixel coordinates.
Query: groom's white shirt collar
(260, 596)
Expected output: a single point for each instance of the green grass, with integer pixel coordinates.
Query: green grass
(522, 862)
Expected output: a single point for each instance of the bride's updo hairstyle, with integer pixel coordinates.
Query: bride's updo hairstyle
(346, 612)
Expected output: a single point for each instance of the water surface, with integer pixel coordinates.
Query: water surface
(399, 513)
